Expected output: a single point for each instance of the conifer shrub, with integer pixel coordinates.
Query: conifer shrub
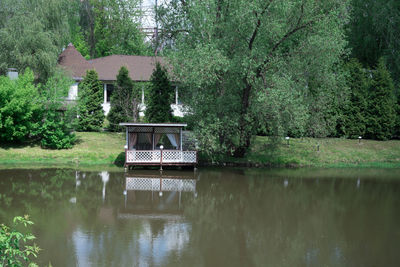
(90, 111)
(355, 112)
(381, 115)
(158, 108)
(124, 101)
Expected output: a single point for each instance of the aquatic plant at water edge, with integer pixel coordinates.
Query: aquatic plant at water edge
(14, 250)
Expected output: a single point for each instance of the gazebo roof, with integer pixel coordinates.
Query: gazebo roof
(152, 124)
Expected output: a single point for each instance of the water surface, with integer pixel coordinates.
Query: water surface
(214, 217)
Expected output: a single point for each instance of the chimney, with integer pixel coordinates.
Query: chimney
(12, 73)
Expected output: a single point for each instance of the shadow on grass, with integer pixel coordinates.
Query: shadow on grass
(9, 145)
(78, 140)
(119, 161)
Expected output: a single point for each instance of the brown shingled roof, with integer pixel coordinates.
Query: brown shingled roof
(140, 67)
(73, 62)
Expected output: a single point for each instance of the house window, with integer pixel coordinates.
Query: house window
(110, 89)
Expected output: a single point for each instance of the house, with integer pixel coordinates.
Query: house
(140, 69)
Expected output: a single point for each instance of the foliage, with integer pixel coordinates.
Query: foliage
(55, 134)
(355, 112)
(20, 108)
(91, 115)
(124, 101)
(381, 105)
(55, 130)
(397, 124)
(31, 35)
(108, 27)
(374, 33)
(247, 64)
(158, 108)
(13, 248)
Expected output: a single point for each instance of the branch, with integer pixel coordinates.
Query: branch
(258, 24)
(277, 44)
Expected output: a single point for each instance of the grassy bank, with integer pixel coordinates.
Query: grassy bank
(107, 149)
(332, 152)
(91, 148)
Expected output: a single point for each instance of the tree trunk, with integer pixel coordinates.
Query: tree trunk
(244, 132)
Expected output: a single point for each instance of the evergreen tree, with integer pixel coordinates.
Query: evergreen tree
(124, 101)
(91, 114)
(354, 116)
(381, 105)
(160, 96)
(397, 125)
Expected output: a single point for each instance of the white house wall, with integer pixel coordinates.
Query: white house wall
(177, 109)
(73, 92)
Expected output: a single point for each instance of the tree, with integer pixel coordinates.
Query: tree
(20, 108)
(56, 128)
(111, 27)
(232, 57)
(158, 107)
(355, 112)
(374, 33)
(31, 35)
(124, 101)
(90, 111)
(397, 125)
(381, 105)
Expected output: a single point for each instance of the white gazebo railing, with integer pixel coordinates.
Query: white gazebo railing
(160, 184)
(154, 156)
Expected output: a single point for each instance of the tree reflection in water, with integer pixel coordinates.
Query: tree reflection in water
(231, 217)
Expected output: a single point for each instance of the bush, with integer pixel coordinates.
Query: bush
(13, 248)
(20, 108)
(55, 134)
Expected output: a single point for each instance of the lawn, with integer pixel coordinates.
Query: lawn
(332, 152)
(91, 148)
(108, 149)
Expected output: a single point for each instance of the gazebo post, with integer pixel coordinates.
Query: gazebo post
(180, 137)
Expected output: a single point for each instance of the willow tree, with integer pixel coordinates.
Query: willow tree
(32, 34)
(245, 63)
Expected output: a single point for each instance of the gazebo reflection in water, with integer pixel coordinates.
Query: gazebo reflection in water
(157, 195)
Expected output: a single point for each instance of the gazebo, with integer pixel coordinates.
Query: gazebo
(156, 144)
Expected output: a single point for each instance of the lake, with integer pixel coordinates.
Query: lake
(211, 217)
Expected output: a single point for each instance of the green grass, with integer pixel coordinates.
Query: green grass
(91, 148)
(107, 149)
(333, 152)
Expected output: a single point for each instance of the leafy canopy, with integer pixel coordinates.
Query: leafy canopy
(32, 34)
(20, 108)
(244, 64)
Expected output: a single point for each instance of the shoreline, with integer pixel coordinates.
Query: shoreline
(248, 165)
(105, 149)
